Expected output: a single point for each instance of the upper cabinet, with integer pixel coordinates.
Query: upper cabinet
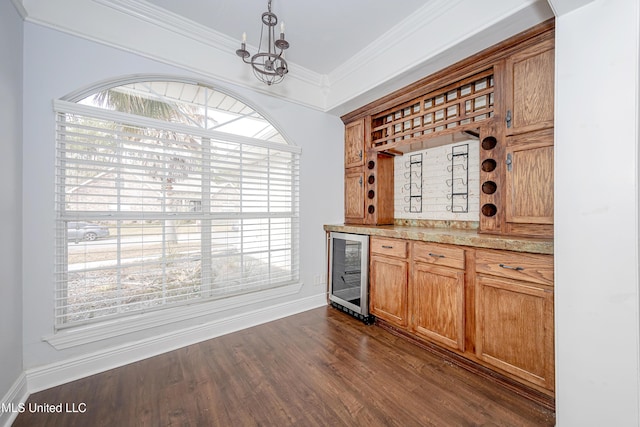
(528, 142)
(529, 89)
(354, 181)
(368, 181)
(354, 196)
(504, 97)
(354, 144)
(529, 183)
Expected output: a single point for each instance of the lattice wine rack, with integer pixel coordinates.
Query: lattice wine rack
(457, 107)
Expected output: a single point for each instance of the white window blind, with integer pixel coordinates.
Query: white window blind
(153, 214)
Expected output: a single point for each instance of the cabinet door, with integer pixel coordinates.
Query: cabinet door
(437, 304)
(354, 144)
(530, 89)
(529, 179)
(388, 289)
(354, 196)
(514, 322)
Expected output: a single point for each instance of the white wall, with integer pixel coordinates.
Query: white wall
(57, 64)
(10, 196)
(596, 215)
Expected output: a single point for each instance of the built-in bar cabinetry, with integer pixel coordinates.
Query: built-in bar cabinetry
(504, 96)
(494, 307)
(487, 296)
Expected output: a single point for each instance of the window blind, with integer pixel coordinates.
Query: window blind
(152, 214)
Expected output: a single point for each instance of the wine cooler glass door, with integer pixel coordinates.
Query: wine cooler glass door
(348, 268)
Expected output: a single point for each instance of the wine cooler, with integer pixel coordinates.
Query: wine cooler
(349, 274)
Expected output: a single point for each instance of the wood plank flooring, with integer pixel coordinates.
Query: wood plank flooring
(318, 368)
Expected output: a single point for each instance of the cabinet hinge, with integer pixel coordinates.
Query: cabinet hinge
(508, 118)
(509, 162)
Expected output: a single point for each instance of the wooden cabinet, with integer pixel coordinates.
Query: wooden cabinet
(514, 314)
(529, 183)
(354, 196)
(529, 90)
(436, 294)
(490, 306)
(528, 154)
(388, 277)
(368, 179)
(487, 307)
(354, 181)
(379, 203)
(516, 153)
(354, 145)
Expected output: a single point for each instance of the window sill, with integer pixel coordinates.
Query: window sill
(86, 334)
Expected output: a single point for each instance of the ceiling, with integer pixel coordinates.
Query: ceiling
(322, 34)
(343, 53)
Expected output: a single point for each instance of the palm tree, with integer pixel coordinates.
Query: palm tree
(135, 104)
(131, 103)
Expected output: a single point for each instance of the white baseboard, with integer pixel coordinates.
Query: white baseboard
(11, 402)
(52, 375)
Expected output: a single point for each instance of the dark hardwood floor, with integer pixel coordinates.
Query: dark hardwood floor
(318, 368)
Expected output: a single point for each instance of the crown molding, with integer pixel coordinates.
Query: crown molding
(140, 28)
(148, 12)
(429, 39)
(170, 21)
(562, 7)
(416, 22)
(419, 46)
(20, 8)
(389, 40)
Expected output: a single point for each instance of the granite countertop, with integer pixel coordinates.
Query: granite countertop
(453, 236)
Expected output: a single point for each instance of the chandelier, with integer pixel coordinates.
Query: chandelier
(269, 65)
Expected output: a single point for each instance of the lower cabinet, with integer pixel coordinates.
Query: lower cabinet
(437, 304)
(514, 314)
(506, 325)
(436, 294)
(388, 275)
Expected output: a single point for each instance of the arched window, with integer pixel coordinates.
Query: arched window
(169, 193)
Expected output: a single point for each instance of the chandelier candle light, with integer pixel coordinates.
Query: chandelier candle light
(269, 65)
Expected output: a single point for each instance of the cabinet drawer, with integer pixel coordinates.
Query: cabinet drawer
(438, 254)
(388, 247)
(513, 265)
